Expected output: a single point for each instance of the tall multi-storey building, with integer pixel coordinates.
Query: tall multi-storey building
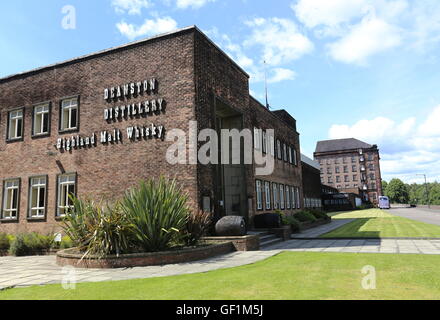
(352, 166)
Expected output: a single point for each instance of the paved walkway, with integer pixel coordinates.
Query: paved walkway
(318, 231)
(42, 270)
(426, 215)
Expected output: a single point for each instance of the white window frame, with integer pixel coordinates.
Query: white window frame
(282, 198)
(38, 185)
(287, 192)
(41, 110)
(293, 196)
(62, 195)
(259, 192)
(257, 139)
(69, 104)
(275, 196)
(15, 116)
(268, 197)
(299, 198)
(272, 146)
(285, 153)
(11, 185)
(295, 157)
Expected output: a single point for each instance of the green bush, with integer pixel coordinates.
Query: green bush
(292, 222)
(27, 244)
(4, 242)
(97, 229)
(158, 212)
(197, 226)
(319, 214)
(304, 216)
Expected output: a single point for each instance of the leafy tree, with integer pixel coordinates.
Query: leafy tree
(397, 191)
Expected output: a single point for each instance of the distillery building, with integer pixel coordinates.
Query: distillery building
(351, 166)
(94, 126)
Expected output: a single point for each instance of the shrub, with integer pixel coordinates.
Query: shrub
(4, 242)
(304, 216)
(197, 226)
(158, 212)
(292, 222)
(97, 229)
(66, 243)
(319, 214)
(30, 244)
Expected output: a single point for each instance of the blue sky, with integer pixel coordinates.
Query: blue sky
(368, 69)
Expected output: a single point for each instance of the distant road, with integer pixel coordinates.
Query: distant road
(426, 215)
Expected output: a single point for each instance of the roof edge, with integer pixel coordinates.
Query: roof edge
(100, 52)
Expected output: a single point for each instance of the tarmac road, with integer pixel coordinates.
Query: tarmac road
(426, 215)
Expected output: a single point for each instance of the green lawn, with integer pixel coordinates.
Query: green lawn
(287, 276)
(375, 223)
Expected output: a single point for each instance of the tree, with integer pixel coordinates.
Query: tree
(397, 191)
(384, 186)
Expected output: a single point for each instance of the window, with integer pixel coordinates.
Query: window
(11, 199)
(264, 146)
(344, 160)
(353, 159)
(295, 157)
(275, 196)
(330, 180)
(66, 187)
(372, 176)
(257, 139)
(259, 191)
(15, 125)
(338, 179)
(291, 155)
(345, 169)
(347, 179)
(37, 197)
(272, 146)
(370, 157)
(373, 186)
(298, 202)
(285, 152)
(354, 168)
(282, 201)
(337, 169)
(279, 151)
(371, 166)
(355, 177)
(287, 198)
(268, 198)
(292, 197)
(69, 114)
(329, 170)
(40, 125)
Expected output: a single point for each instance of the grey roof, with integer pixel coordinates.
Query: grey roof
(310, 162)
(341, 145)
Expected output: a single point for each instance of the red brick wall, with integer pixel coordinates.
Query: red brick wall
(103, 171)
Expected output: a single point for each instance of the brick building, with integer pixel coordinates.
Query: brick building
(97, 124)
(351, 166)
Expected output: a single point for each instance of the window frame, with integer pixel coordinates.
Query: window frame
(2, 212)
(62, 130)
(57, 215)
(259, 194)
(8, 125)
(279, 150)
(287, 195)
(275, 196)
(268, 198)
(282, 197)
(29, 214)
(49, 119)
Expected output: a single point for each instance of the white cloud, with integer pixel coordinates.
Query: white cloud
(370, 37)
(132, 7)
(359, 29)
(280, 40)
(281, 74)
(148, 28)
(195, 4)
(406, 149)
(330, 13)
